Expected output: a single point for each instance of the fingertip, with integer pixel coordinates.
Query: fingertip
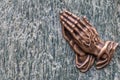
(63, 22)
(64, 10)
(84, 17)
(60, 12)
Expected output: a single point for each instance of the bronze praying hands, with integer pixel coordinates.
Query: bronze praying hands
(84, 40)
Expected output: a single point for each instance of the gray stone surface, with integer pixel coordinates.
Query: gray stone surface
(32, 46)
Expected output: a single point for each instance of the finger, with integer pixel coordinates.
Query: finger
(74, 19)
(77, 33)
(85, 28)
(93, 30)
(67, 27)
(65, 33)
(72, 32)
(82, 23)
(70, 18)
(89, 26)
(72, 22)
(67, 21)
(72, 15)
(86, 21)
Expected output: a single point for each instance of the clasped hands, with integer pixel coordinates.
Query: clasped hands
(85, 42)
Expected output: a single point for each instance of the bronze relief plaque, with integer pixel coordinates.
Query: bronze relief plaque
(85, 41)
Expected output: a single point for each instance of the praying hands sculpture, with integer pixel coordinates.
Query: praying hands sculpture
(84, 40)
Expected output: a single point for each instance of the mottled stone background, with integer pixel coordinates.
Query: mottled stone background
(32, 46)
